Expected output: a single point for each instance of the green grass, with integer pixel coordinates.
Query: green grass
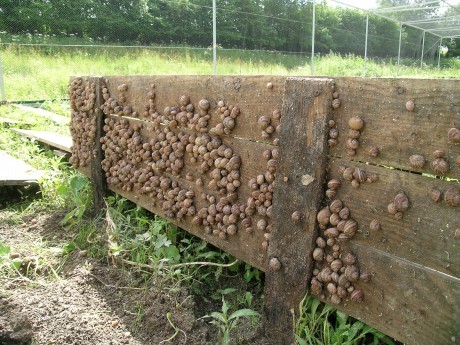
(43, 72)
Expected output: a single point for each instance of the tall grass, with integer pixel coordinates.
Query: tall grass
(32, 72)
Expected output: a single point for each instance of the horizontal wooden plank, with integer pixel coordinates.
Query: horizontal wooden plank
(426, 226)
(15, 172)
(413, 304)
(397, 132)
(43, 113)
(60, 141)
(250, 94)
(12, 122)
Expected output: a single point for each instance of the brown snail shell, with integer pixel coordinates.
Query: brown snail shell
(454, 135)
(336, 206)
(436, 195)
(401, 202)
(349, 258)
(356, 123)
(410, 105)
(357, 295)
(318, 254)
(439, 154)
(417, 161)
(336, 103)
(374, 225)
(452, 196)
(334, 184)
(352, 273)
(204, 104)
(440, 166)
(323, 216)
(374, 151)
(320, 242)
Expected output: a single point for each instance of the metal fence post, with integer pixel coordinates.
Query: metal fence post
(439, 53)
(423, 49)
(399, 47)
(214, 38)
(2, 82)
(312, 65)
(365, 45)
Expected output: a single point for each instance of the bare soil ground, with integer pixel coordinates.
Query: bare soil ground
(91, 302)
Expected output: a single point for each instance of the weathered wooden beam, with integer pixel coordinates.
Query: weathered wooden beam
(298, 193)
(97, 154)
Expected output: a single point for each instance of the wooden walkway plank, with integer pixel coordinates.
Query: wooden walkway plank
(60, 141)
(44, 113)
(14, 172)
(11, 122)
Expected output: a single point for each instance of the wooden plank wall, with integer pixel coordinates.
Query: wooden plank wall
(414, 262)
(409, 264)
(146, 100)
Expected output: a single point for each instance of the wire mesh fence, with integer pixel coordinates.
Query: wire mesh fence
(176, 36)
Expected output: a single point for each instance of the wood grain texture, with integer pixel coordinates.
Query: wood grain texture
(300, 178)
(97, 154)
(15, 172)
(250, 94)
(60, 141)
(397, 132)
(426, 227)
(242, 245)
(413, 304)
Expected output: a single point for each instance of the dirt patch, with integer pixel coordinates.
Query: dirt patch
(90, 302)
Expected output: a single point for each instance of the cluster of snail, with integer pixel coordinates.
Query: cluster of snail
(270, 125)
(355, 124)
(451, 196)
(228, 115)
(333, 134)
(83, 123)
(336, 102)
(260, 201)
(399, 205)
(151, 166)
(439, 164)
(357, 176)
(335, 272)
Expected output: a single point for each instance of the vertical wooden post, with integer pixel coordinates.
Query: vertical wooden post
(97, 174)
(297, 196)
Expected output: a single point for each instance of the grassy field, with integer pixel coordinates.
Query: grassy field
(43, 72)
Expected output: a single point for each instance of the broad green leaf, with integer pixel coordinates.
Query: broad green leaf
(16, 263)
(243, 312)
(77, 183)
(217, 316)
(69, 247)
(4, 249)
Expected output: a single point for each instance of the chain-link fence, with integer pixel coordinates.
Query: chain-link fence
(45, 41)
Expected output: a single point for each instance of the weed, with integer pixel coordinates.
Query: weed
(320, 324)
(225, 323)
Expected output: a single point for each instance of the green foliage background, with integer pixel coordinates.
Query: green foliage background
(281, 25)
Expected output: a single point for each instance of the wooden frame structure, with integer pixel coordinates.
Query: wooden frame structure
(246, 163)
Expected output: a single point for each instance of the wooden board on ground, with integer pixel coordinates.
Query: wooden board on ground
(44, 113)
(12, 122)
(60, 141)
(14, 172)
